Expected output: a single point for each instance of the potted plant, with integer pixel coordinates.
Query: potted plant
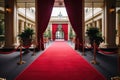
(26, 37)
(2, 36)
(94, 35)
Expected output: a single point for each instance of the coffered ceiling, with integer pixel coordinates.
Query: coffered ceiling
(60, 3)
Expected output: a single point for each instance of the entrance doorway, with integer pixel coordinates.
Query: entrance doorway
(59, 33)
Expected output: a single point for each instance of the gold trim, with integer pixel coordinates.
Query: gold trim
(2, 79)
(115, 78)
(21, 62)
(94, 62)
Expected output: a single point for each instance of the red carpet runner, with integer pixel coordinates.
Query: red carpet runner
(60, 62)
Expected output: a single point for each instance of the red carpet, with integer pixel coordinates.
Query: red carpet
(60, 62)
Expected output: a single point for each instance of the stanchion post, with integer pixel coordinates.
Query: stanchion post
(33, 52)
(39, 44)
(21, 62)
(45, 44)
(94, 61)
(34, 45)
(118, 76)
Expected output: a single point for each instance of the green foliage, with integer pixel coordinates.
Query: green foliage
(94, 35)
(71, 34)
(2, 24)
(26, 34)
(1, 28)
(49, 34)
(45, 34)
(2, 38)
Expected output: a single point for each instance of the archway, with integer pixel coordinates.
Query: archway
(59, 33)
(75, 10)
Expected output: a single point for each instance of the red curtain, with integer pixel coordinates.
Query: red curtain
(54, 29)
(65, 29)
(43, 13)
(75, 13)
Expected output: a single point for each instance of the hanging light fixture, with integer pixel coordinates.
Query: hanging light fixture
(7, 9)
(112, 8)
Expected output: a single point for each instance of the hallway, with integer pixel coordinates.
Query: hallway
(10, 69)
(60, 62)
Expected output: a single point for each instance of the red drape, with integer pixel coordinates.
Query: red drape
(75, 13)
(65, 29)
(43, 13)
(54, 29)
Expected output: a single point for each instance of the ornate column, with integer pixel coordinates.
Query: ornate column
(10, 23)
(21, 26)
(118, 27)
(110, 23)
(103, 23)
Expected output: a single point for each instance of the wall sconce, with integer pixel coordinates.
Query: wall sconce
(112, 9)
(7, 9)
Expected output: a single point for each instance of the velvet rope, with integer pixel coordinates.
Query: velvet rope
(85, 46)
(27, 46)
(1, 52)
(88, 47)
(104, 52)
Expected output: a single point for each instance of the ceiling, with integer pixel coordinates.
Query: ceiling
(60, 3)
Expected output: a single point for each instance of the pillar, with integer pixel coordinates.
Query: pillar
(103, 23)
(94, 24)
(10, 23)
(69, 26)
(50, 24)
(118, 27)
(110, 23)
(98, 23)
(21, 26)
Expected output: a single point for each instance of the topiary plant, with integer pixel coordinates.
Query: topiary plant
(94, 35)
(26, 36)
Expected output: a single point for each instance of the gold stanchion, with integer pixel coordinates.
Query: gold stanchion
(94, 61)
(33, 52)
(21, 62)
(117, 77)
(45, 44)
(34, 45)
(83, 53)
(2, 79)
